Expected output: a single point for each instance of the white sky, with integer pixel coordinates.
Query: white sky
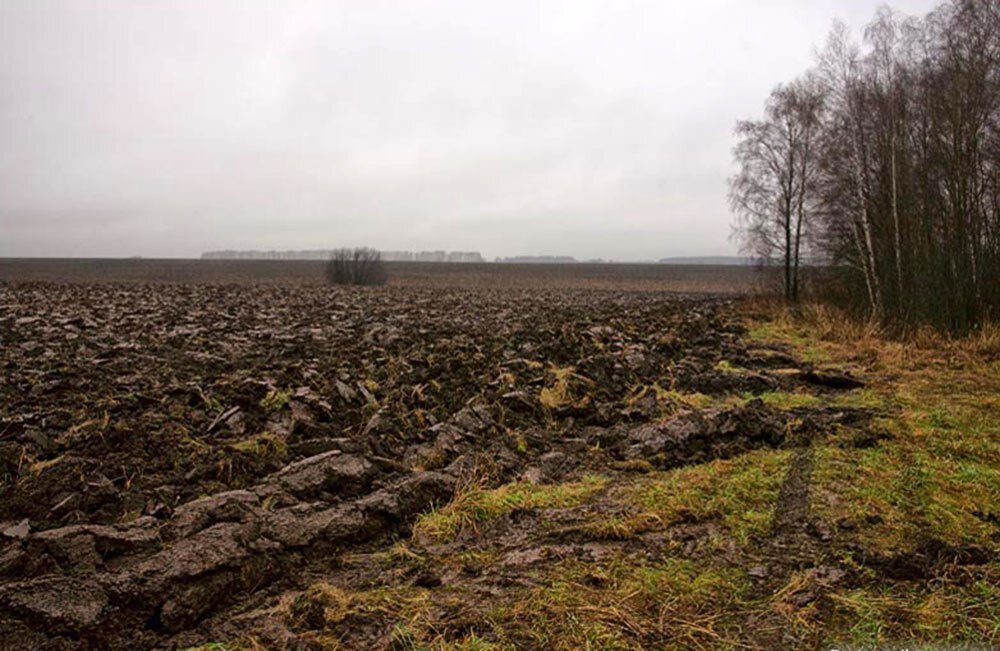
(592, 129)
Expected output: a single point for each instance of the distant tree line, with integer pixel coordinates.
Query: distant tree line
(325, 254)
(537, 259)
(884, 162)
(433, 256)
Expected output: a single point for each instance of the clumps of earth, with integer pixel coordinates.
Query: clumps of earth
(179, 462)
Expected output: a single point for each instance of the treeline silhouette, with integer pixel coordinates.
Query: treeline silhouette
(883, 160)
(326, 254)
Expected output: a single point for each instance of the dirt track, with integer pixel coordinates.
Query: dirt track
(179, 459)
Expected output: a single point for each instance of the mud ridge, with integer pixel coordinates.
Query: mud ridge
(111, 586)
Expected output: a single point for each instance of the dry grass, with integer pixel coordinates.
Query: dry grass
(626, 603)
(566, 388)
(323, 612)
(38, 467)
(816, 322)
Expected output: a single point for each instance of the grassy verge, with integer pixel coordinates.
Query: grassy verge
(930, 493)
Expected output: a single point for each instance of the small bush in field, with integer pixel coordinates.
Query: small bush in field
(360, 266)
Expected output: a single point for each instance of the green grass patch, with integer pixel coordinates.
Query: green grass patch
(740, 492)
(807, 347)
(475, 506)
(938, 475)
(786, 400)
(863, 398)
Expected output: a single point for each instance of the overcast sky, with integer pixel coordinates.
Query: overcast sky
(592, 129)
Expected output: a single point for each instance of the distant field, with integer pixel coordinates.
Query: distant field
(727, 279)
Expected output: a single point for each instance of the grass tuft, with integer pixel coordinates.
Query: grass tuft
(275, 400)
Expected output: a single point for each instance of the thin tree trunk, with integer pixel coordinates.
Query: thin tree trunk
(875, 292)
(898, 249)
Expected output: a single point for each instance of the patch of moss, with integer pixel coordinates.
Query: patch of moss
(263, 444)
(275, 400)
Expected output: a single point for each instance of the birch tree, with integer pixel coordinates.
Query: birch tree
(772, 192)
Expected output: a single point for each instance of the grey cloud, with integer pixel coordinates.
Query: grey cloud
(595, 129)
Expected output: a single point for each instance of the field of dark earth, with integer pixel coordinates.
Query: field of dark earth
(716, 279)
(232, 455)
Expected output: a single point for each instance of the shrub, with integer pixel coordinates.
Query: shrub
(360, 266)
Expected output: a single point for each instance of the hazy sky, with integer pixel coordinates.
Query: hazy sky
(593, 129)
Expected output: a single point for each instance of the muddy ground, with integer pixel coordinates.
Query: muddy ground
(178, 463)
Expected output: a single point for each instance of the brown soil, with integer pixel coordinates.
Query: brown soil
(717, 279)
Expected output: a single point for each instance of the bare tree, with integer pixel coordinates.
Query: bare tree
(360, 266)
(772, 194)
